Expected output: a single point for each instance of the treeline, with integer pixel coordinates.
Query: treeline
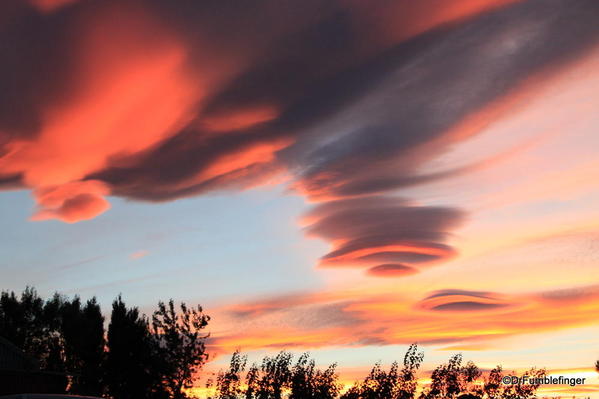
(279, 377)
(159, 357)
(138, 357)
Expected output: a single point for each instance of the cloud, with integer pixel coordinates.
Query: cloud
(313, 94)
(442, 89)
(122, 99)
(72, 265)
(391, 270)
(457, 317)
(571, 296)
(366, 232)
(71, 202)
(139, 254)
(463, 301)
(231, 120)
(279, 303)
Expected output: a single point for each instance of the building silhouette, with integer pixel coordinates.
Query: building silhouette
(21, 374)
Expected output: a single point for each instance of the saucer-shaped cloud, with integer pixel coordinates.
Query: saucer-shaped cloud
(463, 301)
(391, 270)
(367, 231)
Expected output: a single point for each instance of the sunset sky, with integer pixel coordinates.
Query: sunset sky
(340, 176)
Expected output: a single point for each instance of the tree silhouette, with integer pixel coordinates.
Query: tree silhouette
(53, 358)
(228, 383)
(252, 381)
(310, 383)
(445, 380)
(181, 345)
(140, 359)
(354, 392)
(469, 375)
(523, 390)
(326, 384)
(451, 380)
(378, 384)
(302, 377)
(493, 387)
(408, 382)
(132, 368)
(392, 384)
(82, 329)
(22, 321)
(275, 375)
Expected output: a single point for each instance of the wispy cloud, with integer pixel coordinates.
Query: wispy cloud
(139, 254)
(457, 317)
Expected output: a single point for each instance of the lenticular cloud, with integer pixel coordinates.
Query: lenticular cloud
(158, 100)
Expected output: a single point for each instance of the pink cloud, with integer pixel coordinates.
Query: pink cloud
(71, 202)
(139, 254)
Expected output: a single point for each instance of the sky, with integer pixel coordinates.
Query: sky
(343, 177)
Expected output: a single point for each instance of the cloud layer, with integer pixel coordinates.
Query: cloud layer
(160, 100)
(441, 317)
(376, 231)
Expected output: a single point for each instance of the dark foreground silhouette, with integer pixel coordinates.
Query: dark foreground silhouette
(278, 377)
(136, 358)
(159, 357)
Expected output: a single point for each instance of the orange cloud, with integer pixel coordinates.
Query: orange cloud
(162, 101)
(345, 255)
(139, 254)
(238, 162)
(126, 97)
(125, 105)
(455, 317)
(391, 270)
(71, 202)
(238, 119)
